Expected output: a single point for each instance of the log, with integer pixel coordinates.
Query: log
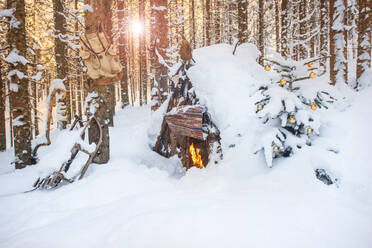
(187, 121)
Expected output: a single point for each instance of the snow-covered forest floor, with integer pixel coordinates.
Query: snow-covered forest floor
(140, 199)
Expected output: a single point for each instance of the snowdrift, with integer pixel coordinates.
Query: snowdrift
(141, 199)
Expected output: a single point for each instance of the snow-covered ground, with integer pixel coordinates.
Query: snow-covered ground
(141, 199)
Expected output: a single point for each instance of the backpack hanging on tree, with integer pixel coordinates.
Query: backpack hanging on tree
(100, 56)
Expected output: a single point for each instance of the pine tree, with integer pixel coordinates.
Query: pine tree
(289, 113)
(364, 38)
(96, 21)
(337, 42)
(208, 23)
(277, 26)
(192, 22)
(242, 20)
(123, 51)
(19, 85)
(261, 30)
(159, 45)
(2, 112)
(143, 57)
(285, 29)
(323, 36)
(63, 108)
(217, 21)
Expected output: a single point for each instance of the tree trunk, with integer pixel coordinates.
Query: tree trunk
(303, 29)
(160, 45)
(312, 26)
(101, 15)
(192, 23)
(64, 109)
(261, 30)
(242, 21)
(323, 39)
(123, 22)
(285, 28)
(337, 42)
(293, 49)
(208, 24)
(142, 54)
(345, 64)
(2, 112)
(277, 26)
(217, 22)
(364, 38)
(19, 98)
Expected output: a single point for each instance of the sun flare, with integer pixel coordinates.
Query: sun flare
(137, 27)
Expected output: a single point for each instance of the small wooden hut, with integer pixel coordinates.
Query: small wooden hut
(187, 129)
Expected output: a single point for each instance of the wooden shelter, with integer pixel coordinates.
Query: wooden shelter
(187, 129)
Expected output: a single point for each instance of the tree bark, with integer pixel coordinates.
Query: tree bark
(303, 29)
(208, 24)
(142, 54)
(284, 34)
(160, 45)
(364, 38)
(217, 21)
(2, 112)
(94, 21)
(61, 63)
(337, 42)
(123, 51)
(261, 30)
(243, 21)
(192, 23)
(19, 97)
(277, 26)
(323, 39)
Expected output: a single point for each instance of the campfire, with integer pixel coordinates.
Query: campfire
(196, 157)
(188, 132)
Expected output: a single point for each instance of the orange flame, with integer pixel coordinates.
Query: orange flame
(196, 157)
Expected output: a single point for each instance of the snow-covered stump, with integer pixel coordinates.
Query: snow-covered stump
(187, 130)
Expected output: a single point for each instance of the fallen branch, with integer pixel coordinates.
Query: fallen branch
(55, 88)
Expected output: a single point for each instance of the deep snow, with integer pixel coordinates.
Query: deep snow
(141, 199)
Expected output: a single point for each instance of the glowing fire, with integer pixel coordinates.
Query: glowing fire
(196, 157)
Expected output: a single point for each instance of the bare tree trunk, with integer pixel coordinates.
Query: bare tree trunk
(123, 22)
(285, 28)
(159, 45)
(242, 21)
(294, 51)
(101, 15)
(192, 23)
(208, 24)
(110, 89)
(61, 62)
(261, 30)
(217, 21)
(2, 112)
(364, 38)
(313, 24)
(323, 39)
(79, 86)
(19, 98)
(142, 54)
(345, 64)
(277, 26)
(337, 42)
(303, 29)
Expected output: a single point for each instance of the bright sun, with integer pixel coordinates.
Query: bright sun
(137, 27)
